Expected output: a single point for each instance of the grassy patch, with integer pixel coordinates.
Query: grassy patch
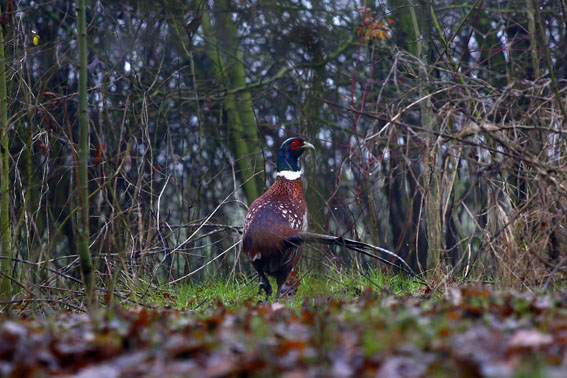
(315, 288)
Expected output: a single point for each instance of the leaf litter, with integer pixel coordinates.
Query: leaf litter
(473, 331)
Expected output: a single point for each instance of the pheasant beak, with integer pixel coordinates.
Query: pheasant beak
(307, 145)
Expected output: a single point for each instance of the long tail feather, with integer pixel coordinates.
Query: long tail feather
(357, 246)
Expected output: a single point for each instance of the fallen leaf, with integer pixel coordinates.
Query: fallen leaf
(530, 338)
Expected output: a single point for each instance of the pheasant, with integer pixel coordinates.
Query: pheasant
(274, 217)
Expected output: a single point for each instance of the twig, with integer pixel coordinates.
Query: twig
(27, 300)
(205, 265)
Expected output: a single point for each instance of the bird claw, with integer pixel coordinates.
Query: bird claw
(267, 289)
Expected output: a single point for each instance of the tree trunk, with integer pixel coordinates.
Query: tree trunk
(244, 138)
(431, 167)
(5, 234)
(83, 220)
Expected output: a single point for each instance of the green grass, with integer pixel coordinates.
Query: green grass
(315, 287)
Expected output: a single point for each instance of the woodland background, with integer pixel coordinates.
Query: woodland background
(439, 128)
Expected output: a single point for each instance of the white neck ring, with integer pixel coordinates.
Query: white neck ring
(289, 175)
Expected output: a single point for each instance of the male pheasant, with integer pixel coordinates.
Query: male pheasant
(275, 216)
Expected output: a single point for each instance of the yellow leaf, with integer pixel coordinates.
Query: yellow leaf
(35, 39)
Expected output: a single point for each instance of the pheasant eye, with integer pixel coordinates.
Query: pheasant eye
(294, 144)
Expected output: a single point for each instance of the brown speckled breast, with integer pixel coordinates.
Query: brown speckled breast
(281, 211)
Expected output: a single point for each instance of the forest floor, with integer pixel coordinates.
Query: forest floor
(466, 331)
